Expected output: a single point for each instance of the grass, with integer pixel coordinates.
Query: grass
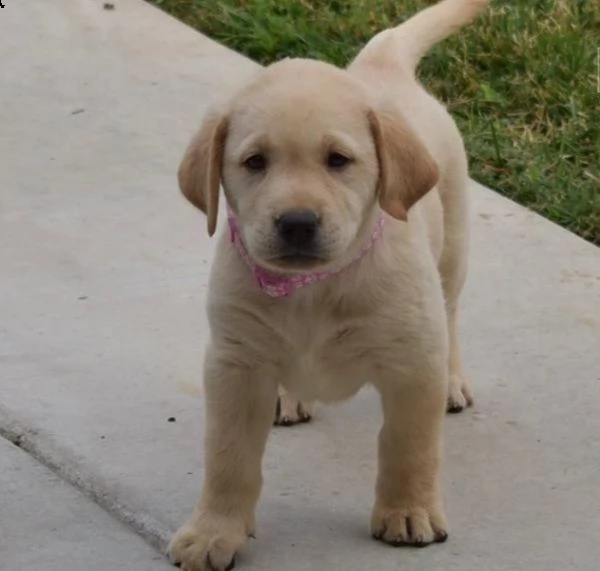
(522, 83)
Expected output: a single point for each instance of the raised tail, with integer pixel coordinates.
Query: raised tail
(411, 40)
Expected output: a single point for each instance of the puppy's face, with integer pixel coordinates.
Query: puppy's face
(303, 160)
(300, 166)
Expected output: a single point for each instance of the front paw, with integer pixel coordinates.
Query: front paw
(208, 544)
(404, 525)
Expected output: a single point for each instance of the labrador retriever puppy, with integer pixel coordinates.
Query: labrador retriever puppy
(342, 263)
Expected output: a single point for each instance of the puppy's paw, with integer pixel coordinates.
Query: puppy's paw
(292, 411)
(460, 394)
(208, 544)
(414, 526)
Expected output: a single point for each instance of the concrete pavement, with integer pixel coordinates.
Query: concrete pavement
(102, 331)
(49, 525)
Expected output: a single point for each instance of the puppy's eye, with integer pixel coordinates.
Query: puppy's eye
(337, 161)
(256, 163)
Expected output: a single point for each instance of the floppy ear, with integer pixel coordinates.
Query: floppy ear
(199, 173)
(406, 169)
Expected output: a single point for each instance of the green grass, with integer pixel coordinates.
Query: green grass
(521, 82)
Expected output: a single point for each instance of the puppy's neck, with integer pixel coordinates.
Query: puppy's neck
(283, 285)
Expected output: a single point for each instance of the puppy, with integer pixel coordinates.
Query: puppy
(343, 258)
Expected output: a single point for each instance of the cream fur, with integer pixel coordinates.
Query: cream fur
(389, 319)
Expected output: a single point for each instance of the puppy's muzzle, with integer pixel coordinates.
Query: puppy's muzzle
(298, 234)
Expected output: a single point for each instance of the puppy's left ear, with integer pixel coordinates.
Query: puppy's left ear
(407, 171)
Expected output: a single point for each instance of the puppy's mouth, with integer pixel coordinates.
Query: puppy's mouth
(297, 261)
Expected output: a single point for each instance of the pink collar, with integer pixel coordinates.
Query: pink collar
(281, 285)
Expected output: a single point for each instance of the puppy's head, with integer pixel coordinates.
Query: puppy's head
(304, 159)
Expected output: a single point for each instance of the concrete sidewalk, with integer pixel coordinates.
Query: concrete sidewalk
(102, 329)
(47, 524)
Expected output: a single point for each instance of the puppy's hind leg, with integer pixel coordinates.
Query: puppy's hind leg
(460, 394)
(291, 410)
(453, 270)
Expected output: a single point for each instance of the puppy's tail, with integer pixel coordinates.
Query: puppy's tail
(407, 43)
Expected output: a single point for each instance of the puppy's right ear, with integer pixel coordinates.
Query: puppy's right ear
(199, 173)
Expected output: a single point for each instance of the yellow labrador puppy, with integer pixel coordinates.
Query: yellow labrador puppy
(342, 263)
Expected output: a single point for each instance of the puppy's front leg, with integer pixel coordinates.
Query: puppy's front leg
(239, 414)
(408, 507)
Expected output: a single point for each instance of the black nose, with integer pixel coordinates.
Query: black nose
(297, 228)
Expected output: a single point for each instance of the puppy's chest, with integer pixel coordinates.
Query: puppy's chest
(327, 359)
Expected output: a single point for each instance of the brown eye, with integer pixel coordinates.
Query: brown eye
(256, 163)
(337, 161)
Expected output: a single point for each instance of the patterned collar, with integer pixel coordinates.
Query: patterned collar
(282, 285)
